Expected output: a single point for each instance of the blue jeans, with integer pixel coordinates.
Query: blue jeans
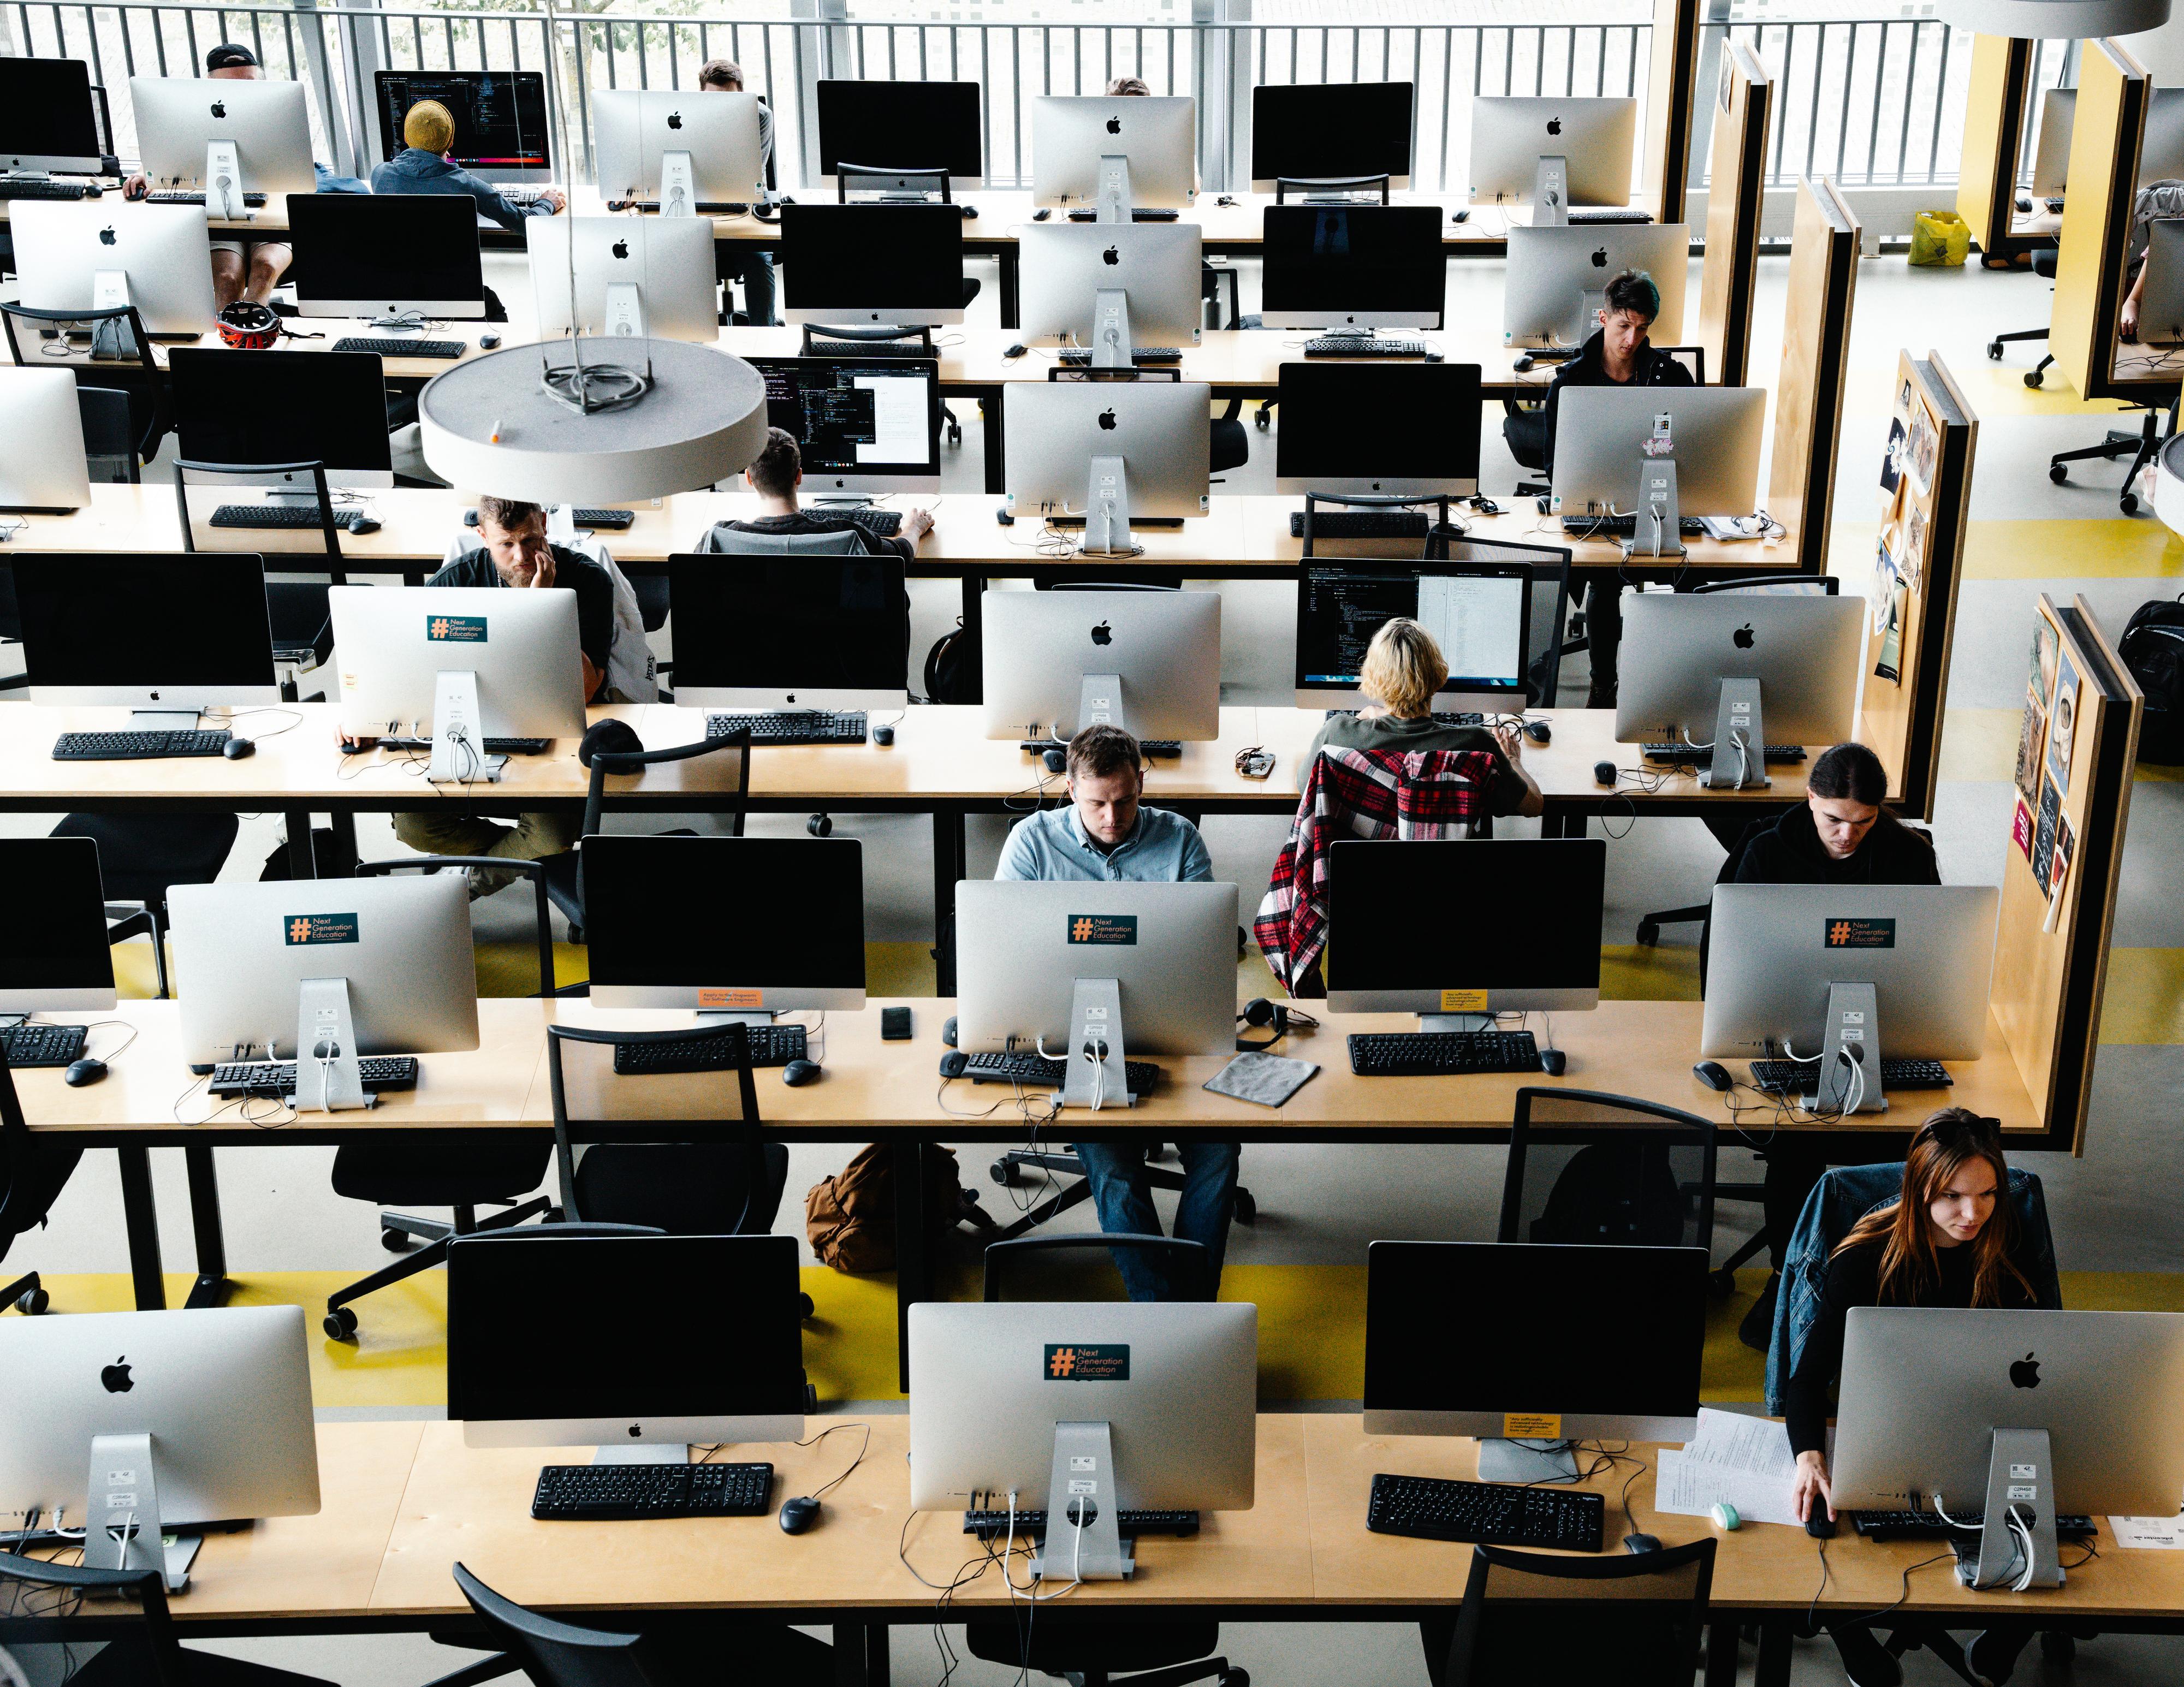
(1116, 1172)
(754, 268)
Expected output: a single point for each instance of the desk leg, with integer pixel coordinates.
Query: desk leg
(974, 639)
(1009, 272)
(1773, 1667)
(212, 1286)
(951, 852)
(344, 830)
(912, 1270)
(860, 1655)
(140, 1218)
(1721, 1653)
(302, 862)
(997, 463)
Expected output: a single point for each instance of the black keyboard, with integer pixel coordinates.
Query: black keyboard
(793, 727)
(492, 746)
(1139, 1076)
(380, 1073)
(992, 1525)
(864, 348)
(1076, 357)
(176, 196)
(771, 1045)
(387, 345)
(1625, 526)
(886, 523)
(1609, 215)
(1362, 345)
(1501, 1514)
(42, 1045)
(31, 188)
(1362, 524)
(1467, 718)
(1435, 1054)
(625, 1493)
(1777, 754)
(1796, 1076)
(137, 746)
(1926, 1526)
(1149, 747)
(614, 521)
(705, 208)
(273, 516)
(1140, 213)
(2055, 206)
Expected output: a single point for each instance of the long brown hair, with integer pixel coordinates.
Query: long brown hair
(1909, 1261)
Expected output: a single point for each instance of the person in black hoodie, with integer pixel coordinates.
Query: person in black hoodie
(1839, 835)
(1619, 355)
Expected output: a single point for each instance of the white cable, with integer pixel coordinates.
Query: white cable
(1945, 1517)
(1694, 743)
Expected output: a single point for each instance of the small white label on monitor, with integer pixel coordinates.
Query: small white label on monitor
(1083, 1488)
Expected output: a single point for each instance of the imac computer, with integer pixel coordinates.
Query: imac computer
(2160, 152)
(1634, 1376)
(196, 636)
(501, 128)
(397, 258)
(1353, 266)
(684, 150)
(57, 958)
(1859, 974)
(2012, 1416)
(1552, 152)
(664, 936)
(1117, 151)
(1332, 135)
(284, 407)
(2161, 305)
(1107, 455)
(48, 123)
(634, 277)
(790, 632)
(1109, 288)
(1479, 613)
(224, 137)
(861, 427)
(320, 972)
(1399, 943)
(625, 1376)
(42, 421)
(1748, 671)
(1084, 1409)
(461, 664)
(1057, 662)
(870, 131)
(207, 1411)
(1557, 284)
(1660, 453)
(829, 275)
(84, 257)
(1084, 972)
(1395, 428)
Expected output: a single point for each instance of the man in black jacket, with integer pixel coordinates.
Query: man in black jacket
(775, 476)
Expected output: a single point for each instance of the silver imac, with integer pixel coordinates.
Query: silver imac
(1797, 658)
(57, 958)
(1353, 266)
(1714, 433)
(829, 275)
(1395, 427)
(869, 127)
(638, 276)
(1057, 662)
(1107, 454)
(2161, 306)
(1076, 275)
(1510, 134)
(48, 122)
(391, 256)
(1558, 278)
(1145, 1405)
(1075, 136)
(42, 467)
(82, 257)
(179, 119)
(1479, 613)
(2160, 153)
(863, 425)
(793, 632)
(642, 134)
(209, 1409)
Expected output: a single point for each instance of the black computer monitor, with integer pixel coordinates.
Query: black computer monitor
(1323, 130)
(1353, 266)
(872, 265)
(747, 924)
(901, 126)
(370, 254)
(1399, 942)
(1479, 613)
(857, 433)
(500, 117)
(45, 118)
(157, 631)
(284, 407)
(1378, 427)
(57, 955)
(797, 631)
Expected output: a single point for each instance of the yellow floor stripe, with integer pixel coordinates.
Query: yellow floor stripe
(1979, 743)
(2144, 1002)
(1667, 971)
(1993, 389)
(2087, 549)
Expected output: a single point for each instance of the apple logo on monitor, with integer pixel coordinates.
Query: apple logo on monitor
(1107, 421)
(219, 108)
(1100, 635)
(1113, 255)
(622, 249)
(674, 120)
(1114, 125)
(106, 235)
(1554, 125)
(2024, 1373)
(1600, 257)
(115, 1378)
(1742, 637)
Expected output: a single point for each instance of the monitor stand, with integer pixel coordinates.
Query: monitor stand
(1334, 190)
(912, 185)
(1083, 1540)
(1500, 1460)
(1113, 198)
(122, 1530)
(1737, 719)
(1099, 704)
(458, 756)
(223, 180)
(1095, 1019)
(717, 1017)
(328, 1078)
(642, 1452)
(2021, 1476)
(678, 186)
(1469, 1020)
(1655, 529)
(1551, 192)
(624, 311)
(165, 720)
(1111, 329)
(1854, 1029)
(1107, 513)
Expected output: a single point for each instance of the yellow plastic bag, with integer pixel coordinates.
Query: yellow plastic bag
(1941, 239)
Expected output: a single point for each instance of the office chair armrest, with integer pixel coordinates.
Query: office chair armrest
(607, 761)
(1191, 1255)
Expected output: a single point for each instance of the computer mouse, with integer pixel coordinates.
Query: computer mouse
(235, 748)
(884, 736)
(1819, 1525)
(1057, 760)
(954, 1063)
(970, 213)
(1461, 216)
(1539, 732)
(1433, 356)
(1714, 1075)
(1225, 199)
(1603, 773)
(1005, 517)
(800, 1513)
(83, 1072)
(1725, 1517)
(1636, 1542)
(1042, 214)
(796, 1074)
(488, 341)
(1524, 363)
(1015, 351)
(1553, 1062)
(364, 523)
(2023, 204)
(948, 1031)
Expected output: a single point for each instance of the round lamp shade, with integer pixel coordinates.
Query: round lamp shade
(2054, 19)
(488, 424)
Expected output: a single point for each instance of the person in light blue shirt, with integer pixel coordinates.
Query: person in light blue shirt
(1107, 833)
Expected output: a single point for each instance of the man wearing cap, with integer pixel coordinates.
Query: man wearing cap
(423, 166)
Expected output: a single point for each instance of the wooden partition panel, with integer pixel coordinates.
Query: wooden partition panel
(1994, 129)
(1746, 98)
(1808, 392)
(1669, 85)
(2077, 751)
(1927, 486)
(2105, 135)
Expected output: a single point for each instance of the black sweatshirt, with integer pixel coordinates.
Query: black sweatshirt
(1790, 852)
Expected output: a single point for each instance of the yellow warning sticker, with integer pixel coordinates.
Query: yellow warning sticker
(719, 997)
(1532, 1426)
(1463, 1001)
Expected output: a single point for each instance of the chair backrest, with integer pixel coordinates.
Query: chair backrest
(109, 435)
(1184, 1258)
(559, 1654)
(1585, 1166)
(160, 1663)
(258, 474)
(1632, 1618)
(738, 541)
(607, 763)
(1543, 637)
(1693, 359)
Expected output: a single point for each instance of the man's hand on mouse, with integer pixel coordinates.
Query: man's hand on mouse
(916, 524)
(1811, 1484)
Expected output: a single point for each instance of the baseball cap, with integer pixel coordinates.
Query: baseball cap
(227, 55)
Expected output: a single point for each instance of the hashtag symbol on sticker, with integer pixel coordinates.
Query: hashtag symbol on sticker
(298, 930)
(1082, 930)
(439, 629)
(1064, 1361)
(1839, 932)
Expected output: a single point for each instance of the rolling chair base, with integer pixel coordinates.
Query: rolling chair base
(27, 1295)
(395, 1229)
(2140, 447)
(1005, 1169)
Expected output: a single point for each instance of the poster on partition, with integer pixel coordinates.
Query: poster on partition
(2031, 736)
(2062, 725)
(2044, 826)
(2046, 651)
(2020, 828)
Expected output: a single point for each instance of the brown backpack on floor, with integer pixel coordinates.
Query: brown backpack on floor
(849, 1216)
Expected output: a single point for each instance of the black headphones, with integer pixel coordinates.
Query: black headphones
(1279, 1015)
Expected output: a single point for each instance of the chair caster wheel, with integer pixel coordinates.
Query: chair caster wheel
(1724, 1283)
(2034, 378)
(396, 1241)
(1264, 420)
(340, 1324)
(1247, 1210)
(1002, 1174)
(1235, 1677)
(805, 1307)
(2129, 503)
(1648, 933)
(2058, 473)
(1994, 350)
(33, 1301)
(955, 433)
(820, 826)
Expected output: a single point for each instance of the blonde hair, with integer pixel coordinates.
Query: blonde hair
(429, 126)
(1403, 668)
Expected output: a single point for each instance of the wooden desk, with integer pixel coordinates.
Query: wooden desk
(310, 334)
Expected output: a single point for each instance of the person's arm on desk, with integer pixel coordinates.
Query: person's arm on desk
(1512, 743)
(138, 185)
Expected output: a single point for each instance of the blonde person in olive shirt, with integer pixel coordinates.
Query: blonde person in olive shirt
(1403, 670)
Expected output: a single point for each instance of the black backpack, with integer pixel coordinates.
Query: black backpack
(1618, 1194)
(953, 668)
(2152, 649)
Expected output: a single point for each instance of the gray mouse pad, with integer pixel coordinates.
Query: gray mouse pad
(1263, 1080)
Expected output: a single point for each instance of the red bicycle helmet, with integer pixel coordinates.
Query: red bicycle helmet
(249, 328)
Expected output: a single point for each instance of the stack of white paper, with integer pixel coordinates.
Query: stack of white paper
(1745, 1461)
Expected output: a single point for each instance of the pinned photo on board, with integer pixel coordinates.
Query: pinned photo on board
(2062, 726)
(2046, 651)
(2031, 741)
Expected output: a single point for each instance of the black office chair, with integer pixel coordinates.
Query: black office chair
(2043, 265)
(33, 1171)
(259, 474)
(110, 434)
(462, 1170)
(1532, 1620)
(1592, 1169)
(148, 409)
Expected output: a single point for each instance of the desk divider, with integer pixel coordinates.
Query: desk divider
(1746, 98)
(1994, 133)
(1808, 392)
(1669, 82)
(2105, 136)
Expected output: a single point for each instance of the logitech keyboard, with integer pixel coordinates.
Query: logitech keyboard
(1625, 526)
(1927, 1526)
(1610, 214)
(1362, 524)
(994, 1525)
(791, 727)
(1499, 1513)
(1139, 1077)
(492, 746)
(35, 187)
(1776, 753)
(1077, 357)
(183, 196)
(1362, 345)
(769, 1046)
(626, 1492)
(885, 523)
(1148, 748)
(42, 1045)
(1435, 1054)
(379, 1074)
(1796, 1076)
(1138, 213)
(158, 746)
(388, 345)
(864, 348)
